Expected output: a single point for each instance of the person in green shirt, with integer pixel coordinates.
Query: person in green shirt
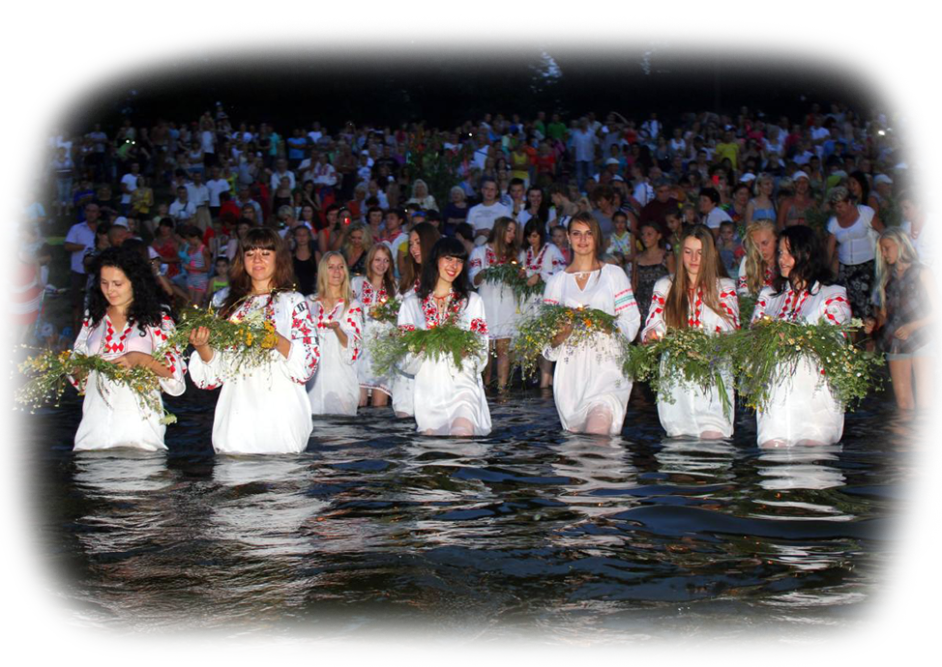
(556, 129)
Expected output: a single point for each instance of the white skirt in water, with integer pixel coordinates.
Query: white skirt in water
(443, 394)
(403, 394)
(692, 412)
(802, 410)
(587, 378)
(115, 418)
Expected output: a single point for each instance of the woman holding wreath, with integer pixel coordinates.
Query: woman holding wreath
(265, 409)
(700, 296)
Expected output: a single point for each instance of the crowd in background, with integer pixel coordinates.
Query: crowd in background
(190, 189)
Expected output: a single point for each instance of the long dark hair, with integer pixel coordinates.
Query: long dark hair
(445, 247)
(146, 309)
(543, 212)
(411, 270)
(240, 282)
(534, 225)
(810, 259)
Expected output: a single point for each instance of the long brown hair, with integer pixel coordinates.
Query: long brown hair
(497, 236)
(589, 220)
(677, 308)
(389, 281)
(240, 282)
(428, 235)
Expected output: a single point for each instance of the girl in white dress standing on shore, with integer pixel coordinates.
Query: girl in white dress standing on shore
(540, 260)
(376, 287)
(335, 388)
(263, 410)
(501, 306)
(701, 297)
(449, 400)
(802, 409)
(590, 391)
(124, 324)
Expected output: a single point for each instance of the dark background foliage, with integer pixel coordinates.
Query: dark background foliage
(446, 70)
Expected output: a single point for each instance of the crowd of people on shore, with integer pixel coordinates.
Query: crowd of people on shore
(662, 225)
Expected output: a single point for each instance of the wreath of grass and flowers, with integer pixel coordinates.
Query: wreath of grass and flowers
(687, 355)
(49, 374)
(248, 342)
(747, 306)
(439, 341)
(386, 310)
(509, 274)
(536, 332)
(769, 352)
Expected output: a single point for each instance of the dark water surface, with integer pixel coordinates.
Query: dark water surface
(530, 532)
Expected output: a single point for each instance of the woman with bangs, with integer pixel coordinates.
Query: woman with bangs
(262, 410)
(371, 290)
(338, 316)
(802, 409)
(590, 392)
(757, 269)
(452, 399)
(422, 239)
(501, 306)
(699, 296)
(540, 261)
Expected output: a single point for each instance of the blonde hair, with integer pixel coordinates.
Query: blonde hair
(760, 179)
(755, 265)
(677, 308)
(346, 293)
(357, 227)
(907, 255)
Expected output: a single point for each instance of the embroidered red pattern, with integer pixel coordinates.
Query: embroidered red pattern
(109, 345)
(694, 319)
(430, 310)
(791, 309)
(479, 326)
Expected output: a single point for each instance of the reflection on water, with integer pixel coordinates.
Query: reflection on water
(530, 530)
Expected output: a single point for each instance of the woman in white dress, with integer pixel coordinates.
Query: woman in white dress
(421, 240)
(540, 260)
(371, 290)
(501, 306)
(452, 400)
(701, 297)
(335, 387)
(124, 324)
(590, 391)
(263, 410)
(802, 409)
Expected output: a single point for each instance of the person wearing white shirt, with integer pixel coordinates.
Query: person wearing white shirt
(583, 142)
(216, 186)
(281, 171)
(182, 209)
(129, 185)
(197, 191)
(711, 213)
(482, 216)
(79, 240)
